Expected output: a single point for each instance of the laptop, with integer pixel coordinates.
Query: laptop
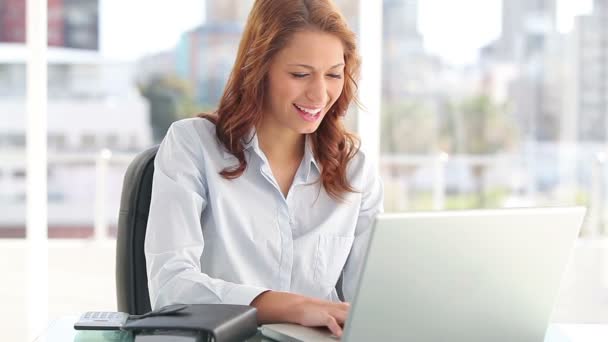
(470, 275)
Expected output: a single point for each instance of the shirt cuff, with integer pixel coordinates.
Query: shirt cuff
(243, 294)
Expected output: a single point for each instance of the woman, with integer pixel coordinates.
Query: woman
(269, 202)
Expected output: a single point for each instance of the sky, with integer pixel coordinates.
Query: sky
(132, 28)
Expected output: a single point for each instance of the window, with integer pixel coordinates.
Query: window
(485, 104)
(15, 140)
(88, 142)
(19, 174)
(57, 142)
(112, 141)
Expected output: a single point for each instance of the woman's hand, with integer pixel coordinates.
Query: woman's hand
(283, 307)
(315, 313)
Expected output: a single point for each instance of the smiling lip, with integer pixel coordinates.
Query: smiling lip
(306, 116)
(310, 108)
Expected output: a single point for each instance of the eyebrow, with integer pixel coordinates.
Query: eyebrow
(312, 68)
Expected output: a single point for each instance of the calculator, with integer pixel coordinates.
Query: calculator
(101, 320)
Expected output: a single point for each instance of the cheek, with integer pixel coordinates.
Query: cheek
(285, 91)
(335, 91)
(277, 98)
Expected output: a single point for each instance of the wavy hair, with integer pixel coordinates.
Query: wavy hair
(270, 25)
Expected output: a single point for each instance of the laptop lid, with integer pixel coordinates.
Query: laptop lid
(478, 275)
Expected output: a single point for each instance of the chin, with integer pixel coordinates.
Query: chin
(312, 126)
(309, 129)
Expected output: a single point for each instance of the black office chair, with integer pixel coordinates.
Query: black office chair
(131, 278)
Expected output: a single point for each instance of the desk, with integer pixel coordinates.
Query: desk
(62, 330)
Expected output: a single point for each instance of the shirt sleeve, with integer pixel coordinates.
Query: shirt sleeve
(174, 239)
(371, 204)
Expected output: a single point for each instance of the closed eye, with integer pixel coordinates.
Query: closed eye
(298, 75)
(336, 76)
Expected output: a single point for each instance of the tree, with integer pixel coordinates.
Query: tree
(170, 98)
(478, 126)
(408, 127)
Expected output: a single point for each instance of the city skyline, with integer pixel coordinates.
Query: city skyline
(122, 26)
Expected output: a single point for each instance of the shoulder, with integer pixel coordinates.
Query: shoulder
(361, 169)
(193, 138)
(192, 128)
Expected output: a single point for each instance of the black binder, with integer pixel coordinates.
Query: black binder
(223, 322)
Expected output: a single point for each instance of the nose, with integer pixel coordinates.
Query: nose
(317, 91)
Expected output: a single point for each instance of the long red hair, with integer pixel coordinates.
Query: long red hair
(270, 25)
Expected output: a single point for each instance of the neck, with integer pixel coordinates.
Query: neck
(281, 145)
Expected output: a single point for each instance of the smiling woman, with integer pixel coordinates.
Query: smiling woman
(307, 51)
(299, 80)
(269, 201)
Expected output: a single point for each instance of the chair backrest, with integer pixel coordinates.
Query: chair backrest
(131, 278)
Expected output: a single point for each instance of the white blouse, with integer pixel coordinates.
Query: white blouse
(213, 240)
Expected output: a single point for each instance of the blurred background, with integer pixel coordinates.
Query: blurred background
(484, 104)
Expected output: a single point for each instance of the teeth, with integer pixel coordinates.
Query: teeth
(310, 112)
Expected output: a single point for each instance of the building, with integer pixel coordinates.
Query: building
(237, 11)
(406, 67)
(12, 21)
(71, 23)
(92, 105)
(530, 42)
(400, 20)
(350, 11)
(205, 56)
(591, 63)
(227, 11)
(525, 26)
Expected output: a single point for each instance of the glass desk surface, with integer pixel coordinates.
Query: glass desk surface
(62, 330)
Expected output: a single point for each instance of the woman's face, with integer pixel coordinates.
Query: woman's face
(305, 79)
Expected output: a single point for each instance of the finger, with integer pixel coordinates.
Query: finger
(339, 305)
(333, 326)
(345, 306)
(339, 314)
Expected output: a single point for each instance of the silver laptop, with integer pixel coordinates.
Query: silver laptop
(472, 275)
